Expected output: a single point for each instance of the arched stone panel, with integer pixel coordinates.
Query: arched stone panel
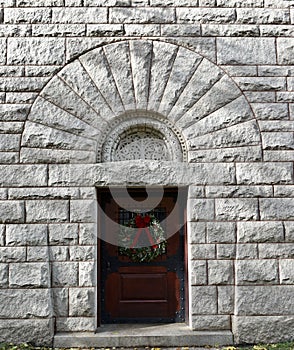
(141, 120)
(74, 113)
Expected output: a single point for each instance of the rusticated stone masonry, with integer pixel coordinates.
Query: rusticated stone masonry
(216, 78)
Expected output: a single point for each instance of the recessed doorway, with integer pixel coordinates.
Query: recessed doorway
(144, 281)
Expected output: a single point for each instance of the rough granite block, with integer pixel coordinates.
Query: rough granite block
(264, 300)
(226, 299)
(239, 30)
(236, 209)
(201, 209)
(10, 142)
(202, 15)
(240, 3)
(239, 191)
(78, 15)
(76, 324)
(204, 300)
(25, 234)
(263, 16)
(87, 274)
(210, 322)
(267, 329)
(29, 275)
(4, 275)
(2, 235)
(41, 3)
(221, 232)
(12, 254)
(285, 47)
(34, 331)
(22, 84)
(278, 140)
(260, 232)
(27, 15)
(83, 211)
(257, 272)
(197, 232)
(276, 251)
(3, 47)
(261, 83)
(25, 303)
(63, 234)
(12, 212)
(268, 111)
(60, 302)
(247, 251)
(277, 209)
(202, 251)
(47, 211)
(38, 254)
(83, 253)
(267, 173)
(220, 272)
(63, 30)
(198, 272)
(36, 51)
(287, 271)
(81, 301)
(225, 251)
(23, 175)
(139, 30)
(65, 274)
(141, 15)
(246, 51)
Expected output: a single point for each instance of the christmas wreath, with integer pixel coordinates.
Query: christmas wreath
(131, 239)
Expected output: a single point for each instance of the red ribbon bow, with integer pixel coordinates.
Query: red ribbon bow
(142, 222)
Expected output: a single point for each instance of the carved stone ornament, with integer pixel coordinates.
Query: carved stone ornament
(141, 135)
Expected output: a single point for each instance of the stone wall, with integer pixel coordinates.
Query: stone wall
(239, 170)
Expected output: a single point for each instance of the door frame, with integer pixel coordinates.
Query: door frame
(169, 189)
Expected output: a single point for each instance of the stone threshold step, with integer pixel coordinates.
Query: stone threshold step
(143, 335)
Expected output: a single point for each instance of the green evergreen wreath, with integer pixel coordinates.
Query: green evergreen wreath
(129, 237)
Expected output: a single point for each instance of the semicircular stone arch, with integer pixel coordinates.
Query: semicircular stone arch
(76, 113)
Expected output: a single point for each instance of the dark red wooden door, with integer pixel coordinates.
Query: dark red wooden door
(142, 291)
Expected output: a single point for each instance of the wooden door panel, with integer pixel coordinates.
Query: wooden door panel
(143, 287)
(148, 309)
(111, 296)
(141, 296)
(131, 305)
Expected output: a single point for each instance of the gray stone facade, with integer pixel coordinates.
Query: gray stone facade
(218, 74)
